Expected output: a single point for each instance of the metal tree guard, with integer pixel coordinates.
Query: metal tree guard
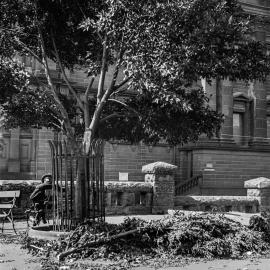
(64, 172)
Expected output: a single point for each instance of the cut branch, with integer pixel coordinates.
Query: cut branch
(35, 247)
(96, 243)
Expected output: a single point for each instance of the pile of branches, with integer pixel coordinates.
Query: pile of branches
(197, 235)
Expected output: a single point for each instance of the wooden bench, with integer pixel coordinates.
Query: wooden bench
(7, 206)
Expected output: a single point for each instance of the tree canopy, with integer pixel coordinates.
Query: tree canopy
(151, 52)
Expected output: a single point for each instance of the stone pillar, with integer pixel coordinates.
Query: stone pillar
(14, 151)
(161, 175)
(260, 188)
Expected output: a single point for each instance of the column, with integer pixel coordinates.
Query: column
(221, 100)
(33, 162)
(226, 132)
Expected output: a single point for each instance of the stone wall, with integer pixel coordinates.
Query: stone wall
(217, 203)
(128, 198)
(156, 195)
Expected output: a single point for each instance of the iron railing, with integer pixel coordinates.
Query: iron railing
(65, 196)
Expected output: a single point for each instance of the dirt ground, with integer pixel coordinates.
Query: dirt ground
(12, 257)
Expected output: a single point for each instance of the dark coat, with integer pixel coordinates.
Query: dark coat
(39, 192)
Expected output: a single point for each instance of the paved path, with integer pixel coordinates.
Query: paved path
(22, 226)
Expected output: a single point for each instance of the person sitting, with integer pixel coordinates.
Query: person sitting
(39, 198)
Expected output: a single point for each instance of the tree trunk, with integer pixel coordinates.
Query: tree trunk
(80, 198)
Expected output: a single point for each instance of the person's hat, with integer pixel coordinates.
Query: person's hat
(48, 175)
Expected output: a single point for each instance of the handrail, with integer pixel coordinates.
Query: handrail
(189, 184)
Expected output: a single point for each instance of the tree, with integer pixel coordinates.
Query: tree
(154, 50)
(160, 47)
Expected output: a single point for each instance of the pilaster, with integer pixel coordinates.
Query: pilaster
(14, 151)
(258, 119)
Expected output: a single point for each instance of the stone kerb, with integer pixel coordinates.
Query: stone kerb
(260, 188)
(161, 175)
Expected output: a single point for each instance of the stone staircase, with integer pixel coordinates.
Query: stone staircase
(191, 186)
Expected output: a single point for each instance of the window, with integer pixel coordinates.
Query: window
(238, 128)
(241, 118)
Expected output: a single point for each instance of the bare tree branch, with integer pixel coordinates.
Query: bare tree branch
(101, 100)
(118, 86)
(30, 51)
(102, 72)
(50, 83)
(89, 86)
(57, 126)
(125, 105)
(71, 89)
(111, 116)
(86, 103)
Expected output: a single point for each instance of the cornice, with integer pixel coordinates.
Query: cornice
(255, 8)
(232, 148)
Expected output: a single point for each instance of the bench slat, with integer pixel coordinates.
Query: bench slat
(10, 194)
(6, 206)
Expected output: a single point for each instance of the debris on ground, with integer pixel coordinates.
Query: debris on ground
(136, 241)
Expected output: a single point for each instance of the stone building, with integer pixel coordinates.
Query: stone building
(242, 152)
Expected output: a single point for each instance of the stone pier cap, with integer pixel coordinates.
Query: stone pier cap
(159, 167)
(260, 182)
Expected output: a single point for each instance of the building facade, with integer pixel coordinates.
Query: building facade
(241, 152)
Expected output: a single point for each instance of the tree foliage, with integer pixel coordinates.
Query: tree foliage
(13, 79)
(151, 51)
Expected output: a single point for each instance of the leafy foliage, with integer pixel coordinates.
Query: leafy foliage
(261, 224)
(13, 79)
(196, 235)
(38, 109)
(154, 49)
(177, 117)
(178, 120)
